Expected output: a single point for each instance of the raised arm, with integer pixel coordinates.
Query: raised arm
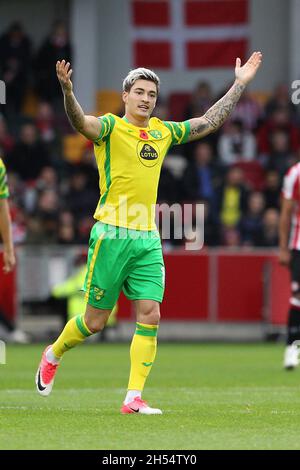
(219, 112)
(89, 126)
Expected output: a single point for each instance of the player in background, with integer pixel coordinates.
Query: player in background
(5, 223)
(289, 255)
(14, 334)
(129, 153)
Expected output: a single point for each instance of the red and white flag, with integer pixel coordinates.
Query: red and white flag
(179, 34)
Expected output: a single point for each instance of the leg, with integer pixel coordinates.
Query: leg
(293, 326)
(142, 355)
(75, 332)
(78, 329)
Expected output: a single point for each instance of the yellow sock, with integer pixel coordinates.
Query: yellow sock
(142, 355)
(73, 333)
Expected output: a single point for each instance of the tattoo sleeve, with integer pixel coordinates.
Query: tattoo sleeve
(74, 111)
(217, 114)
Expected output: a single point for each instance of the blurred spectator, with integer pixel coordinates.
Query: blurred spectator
(48, 202)
(248, 111)
(161, 109)
(280, 157)
(55, 47)
(200, 176)
(66, 229)
(231, 237)
(251, 222)
(46, 215)
(168, 187)
(279, 120)
(236, 144)
(80, 198)
(204, 231)
(231, 198)
(35, 231)
(15, 53)
(201, 100)
(47, 179)
(84, 227)
(66, 234)
(44, 122)
(29, 156)
(272, 190)
(268, 235)
(281, 99)
(6, 140)
(48, 124)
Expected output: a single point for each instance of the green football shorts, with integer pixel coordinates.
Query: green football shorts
(120, 258)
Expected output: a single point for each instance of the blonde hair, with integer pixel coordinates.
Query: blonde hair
(140, 74)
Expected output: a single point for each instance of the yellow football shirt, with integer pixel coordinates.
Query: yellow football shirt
(129, 160)
(4, 193)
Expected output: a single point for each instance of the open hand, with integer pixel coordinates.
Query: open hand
(247, 72)
(63, 75)
(284, 257)
(9, 260)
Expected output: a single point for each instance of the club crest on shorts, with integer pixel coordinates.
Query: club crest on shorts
(97, 292)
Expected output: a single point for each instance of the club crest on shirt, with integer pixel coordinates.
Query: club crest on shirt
(148, 153)
(156, 134)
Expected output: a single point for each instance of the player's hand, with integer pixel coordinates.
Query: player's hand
(247, 72)
(64, 73)
(9, 260)
(284, 257)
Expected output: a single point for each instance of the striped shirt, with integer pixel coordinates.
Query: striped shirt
(4, 193)
(291, 191)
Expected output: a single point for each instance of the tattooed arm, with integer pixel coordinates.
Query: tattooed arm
(219, 112)
(89, 126)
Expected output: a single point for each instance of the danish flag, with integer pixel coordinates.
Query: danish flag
(180, 34)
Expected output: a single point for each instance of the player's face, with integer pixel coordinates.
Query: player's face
(141, 99)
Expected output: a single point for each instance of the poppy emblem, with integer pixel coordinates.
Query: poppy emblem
(144, 135)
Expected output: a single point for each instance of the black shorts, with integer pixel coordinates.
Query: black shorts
(295, 271)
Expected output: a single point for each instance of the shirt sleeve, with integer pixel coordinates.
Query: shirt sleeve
(107, 125)
(4, 193)
(179, 131)
(291, 186)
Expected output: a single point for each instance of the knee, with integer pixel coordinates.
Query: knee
(151, 316)
(94, 324)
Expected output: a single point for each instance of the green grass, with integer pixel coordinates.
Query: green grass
(213, 397)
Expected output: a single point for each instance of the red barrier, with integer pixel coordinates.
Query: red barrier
(187, 287)
(240, 287)
(218, 285)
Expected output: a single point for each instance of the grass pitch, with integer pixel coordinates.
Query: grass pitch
(213, 396)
